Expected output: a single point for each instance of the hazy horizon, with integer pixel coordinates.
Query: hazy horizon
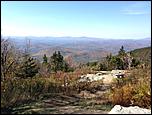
(76, 37)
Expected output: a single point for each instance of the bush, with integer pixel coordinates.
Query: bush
(142, 96)
(14, 91)
(133, 90)
(122, 96)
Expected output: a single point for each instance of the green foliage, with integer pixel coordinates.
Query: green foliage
(114, 62)
(135, 62)
(44, 59)
(27, 68)
(66, 67)
(121, 52)
(109, 57)
(110, 63)
(102, 67)
(143, 54)
(91, 64)
(58, 63)
(121, 61)
(119, 64)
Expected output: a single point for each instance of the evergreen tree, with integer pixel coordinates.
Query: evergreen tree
(45, 67)
(92, 64)
(102, 67)
(44, 59)
(120, 64)
(135, 62)
(53, 62)
(58, 63)
(112, 63)
(28, 68)
(65, 67)
(121, 52)
(108, 62)
(109, 57)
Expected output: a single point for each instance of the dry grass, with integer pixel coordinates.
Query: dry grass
(133, 90)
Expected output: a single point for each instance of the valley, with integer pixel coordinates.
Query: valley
(79, 49)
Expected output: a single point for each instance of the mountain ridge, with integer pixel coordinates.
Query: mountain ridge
(81, 49)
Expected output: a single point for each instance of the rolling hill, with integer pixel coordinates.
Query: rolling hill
(80, 49)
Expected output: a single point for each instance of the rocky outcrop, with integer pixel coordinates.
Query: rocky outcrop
(105, 76)
(90, 78)
(117, 109)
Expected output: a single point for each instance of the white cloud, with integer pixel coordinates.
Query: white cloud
(134, 12)
(138, 8)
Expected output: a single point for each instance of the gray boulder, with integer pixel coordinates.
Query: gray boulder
(117, 109)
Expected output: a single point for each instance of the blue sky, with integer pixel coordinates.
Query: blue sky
(111, 19)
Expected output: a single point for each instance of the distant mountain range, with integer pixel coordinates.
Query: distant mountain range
(80, 49)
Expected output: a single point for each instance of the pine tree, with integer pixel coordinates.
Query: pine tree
(109, 57)
(53, 62)
(65, 67)
(121, 52)
(44, 59)
(58, 63)
(28, 68)
(120, 64)
(102, 67)
(135, 62)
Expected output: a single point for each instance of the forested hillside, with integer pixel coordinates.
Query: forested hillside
(143, 54)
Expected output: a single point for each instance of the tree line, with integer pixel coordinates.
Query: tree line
(124, 60)
(23, 65)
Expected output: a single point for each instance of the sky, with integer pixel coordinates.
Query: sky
(100, 19)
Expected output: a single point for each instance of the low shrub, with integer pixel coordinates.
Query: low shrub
(14, 91)
(133, 90)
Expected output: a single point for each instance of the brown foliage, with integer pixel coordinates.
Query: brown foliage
(135, 89)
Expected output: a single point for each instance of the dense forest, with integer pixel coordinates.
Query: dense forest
(25, 79)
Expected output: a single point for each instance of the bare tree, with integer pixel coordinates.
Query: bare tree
(8, 58)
